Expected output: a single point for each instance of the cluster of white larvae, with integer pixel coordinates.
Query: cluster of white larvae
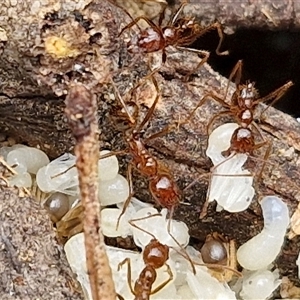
(234, 193)
(255, 256)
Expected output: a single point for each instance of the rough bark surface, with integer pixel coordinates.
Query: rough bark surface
(32, 264)
(45, 48)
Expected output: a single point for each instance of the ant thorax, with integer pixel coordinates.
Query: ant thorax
(165, 191)
(148, 40)
(169, 35)
(245, 117)
(144, 162)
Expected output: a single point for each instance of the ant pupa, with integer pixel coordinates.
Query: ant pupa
(178, 32)
(217, 250)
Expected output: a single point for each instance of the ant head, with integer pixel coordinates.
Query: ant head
(124, 119)
(156, 254)
(248, 91)
(138, 134)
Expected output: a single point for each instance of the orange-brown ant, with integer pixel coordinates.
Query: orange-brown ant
(162, 185)
(178, 32)
(242, 107)
(155, 255)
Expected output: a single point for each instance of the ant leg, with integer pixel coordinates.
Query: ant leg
(221, 36)
(204, 58)
(177, 13)
(152, 108)
(268, 151)
(179, 245)
(214, 118)
(131, 222)
(266, 156)
(236, 71)
(164, 56)
(120, 297)
(177, 124)
(162, 13)
(217, 266)
(135, 21)
(162, 285)
(117, 93)
(277, 94)
(127, 261)
(203, 212)
(131, 193)
(203, 100)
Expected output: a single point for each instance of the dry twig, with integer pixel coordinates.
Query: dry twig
(81, 111)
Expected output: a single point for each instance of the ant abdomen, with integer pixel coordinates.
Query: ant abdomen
(242, 141)
(156, 254)
(164, 190)
(147, 41)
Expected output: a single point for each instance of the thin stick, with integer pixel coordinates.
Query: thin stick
(81, 111)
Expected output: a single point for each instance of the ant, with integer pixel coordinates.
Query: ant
(242, 107)
(155, 255)
(179, 33)
(162, 185)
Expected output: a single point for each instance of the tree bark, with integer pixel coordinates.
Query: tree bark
(45, 48)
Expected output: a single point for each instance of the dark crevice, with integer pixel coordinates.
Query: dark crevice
(271, 58)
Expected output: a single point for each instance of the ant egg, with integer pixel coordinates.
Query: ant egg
(57, 205)
(260, 251)
(108, 167)
(27, 159)
(233, 192)
(21, 180)
(6, 149)
(259, 284)
(55, 178)
(113, 191)
(158, 226)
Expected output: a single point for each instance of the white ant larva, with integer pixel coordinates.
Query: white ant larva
(262, 249)
(259, 284)
(231, 185)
